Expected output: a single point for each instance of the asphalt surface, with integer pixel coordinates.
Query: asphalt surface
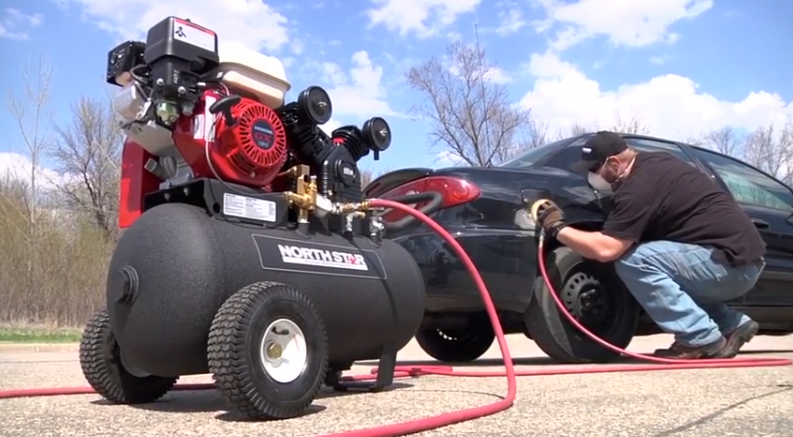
(685, 403)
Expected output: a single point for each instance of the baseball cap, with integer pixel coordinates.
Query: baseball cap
(596, 149)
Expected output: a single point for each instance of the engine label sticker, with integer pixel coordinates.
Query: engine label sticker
(191, 34)
(276, 253)
(249, 208)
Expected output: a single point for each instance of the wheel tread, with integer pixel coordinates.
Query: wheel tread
(102, 368)
(227, 349)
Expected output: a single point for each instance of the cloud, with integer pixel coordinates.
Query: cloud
(512, 20)
(14, 24)
(251, 22)
(359, 92)
(658, 60)
(424, 18)
(494, 75)
(670, 104)
(625, 23)
(19, 167)
(330, 126)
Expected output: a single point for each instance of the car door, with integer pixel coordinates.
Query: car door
(769, 204)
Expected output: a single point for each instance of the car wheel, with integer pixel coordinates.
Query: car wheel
(456, 346)
(268, 351)
(100, 360)
(595, 296)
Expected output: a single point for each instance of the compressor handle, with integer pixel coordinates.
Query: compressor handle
(435, 202)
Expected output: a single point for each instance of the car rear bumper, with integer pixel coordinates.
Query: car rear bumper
(506, 259)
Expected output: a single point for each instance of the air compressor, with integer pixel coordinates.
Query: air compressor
(243, 253)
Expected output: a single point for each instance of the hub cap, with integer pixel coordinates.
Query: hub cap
(586, 298)
(283, 351)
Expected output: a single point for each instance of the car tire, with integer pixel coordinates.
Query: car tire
(252, 335)
(100, 360)
(456, 346)
(555, 335)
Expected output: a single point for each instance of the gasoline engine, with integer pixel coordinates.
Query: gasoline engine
(245, 253)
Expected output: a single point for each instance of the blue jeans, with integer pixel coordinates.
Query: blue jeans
(683, 288)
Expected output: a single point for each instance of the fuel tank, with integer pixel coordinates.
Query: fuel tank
(176, 265)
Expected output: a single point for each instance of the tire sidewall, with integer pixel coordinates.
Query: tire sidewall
(270, 308)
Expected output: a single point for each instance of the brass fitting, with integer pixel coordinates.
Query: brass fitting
(345, 208)
(305, 195)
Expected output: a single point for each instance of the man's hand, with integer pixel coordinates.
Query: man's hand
(551, 218)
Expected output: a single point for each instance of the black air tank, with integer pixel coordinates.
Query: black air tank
(175, 266)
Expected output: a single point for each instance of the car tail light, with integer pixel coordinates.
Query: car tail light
(455, 191)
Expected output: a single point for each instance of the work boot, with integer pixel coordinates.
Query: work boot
(717, 349)
(740, 336)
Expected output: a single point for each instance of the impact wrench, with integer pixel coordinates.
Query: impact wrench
(425, 424)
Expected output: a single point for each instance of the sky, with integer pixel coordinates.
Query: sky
(686, 66)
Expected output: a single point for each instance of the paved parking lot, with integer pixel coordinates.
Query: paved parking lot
(719, 403)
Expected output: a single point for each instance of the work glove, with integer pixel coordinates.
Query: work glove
(550, 218)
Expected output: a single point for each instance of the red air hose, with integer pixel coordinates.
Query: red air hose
(405, 428)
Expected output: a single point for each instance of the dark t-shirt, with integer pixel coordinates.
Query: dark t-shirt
(664, 198)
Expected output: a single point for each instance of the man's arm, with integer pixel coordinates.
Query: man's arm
(623, 227)
(594, 245)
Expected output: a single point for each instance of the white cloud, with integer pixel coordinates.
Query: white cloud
(251, 22)
(512, 20)
(629, 23)
(497, 75)
(493, 74)
(331, 125)
(359, 92)
(424, 18)
(14, 24)
(658, 60)
(670, 104)
(20, 167)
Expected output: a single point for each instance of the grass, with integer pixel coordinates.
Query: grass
(38, 334)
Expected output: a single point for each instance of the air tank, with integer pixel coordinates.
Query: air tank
(176, 265)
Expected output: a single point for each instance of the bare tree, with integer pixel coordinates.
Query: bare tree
(470, 112)
(29, 110)
(366, 178)
(771, 149)
(538, 133)
(88, 154)
(578, 129)
(53, 264)
(632, 124)
(724, 140)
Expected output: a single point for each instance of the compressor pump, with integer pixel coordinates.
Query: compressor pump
(242, 253)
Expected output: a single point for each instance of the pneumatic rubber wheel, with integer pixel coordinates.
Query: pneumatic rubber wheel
(268, 351)
(595, 296)
(456, 346)
(100, 360)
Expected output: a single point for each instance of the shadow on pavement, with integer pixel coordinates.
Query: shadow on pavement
(542, 361)
(206, 401)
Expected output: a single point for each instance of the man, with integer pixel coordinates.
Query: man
(680, 243)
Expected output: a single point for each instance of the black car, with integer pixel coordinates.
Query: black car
(486, 211)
